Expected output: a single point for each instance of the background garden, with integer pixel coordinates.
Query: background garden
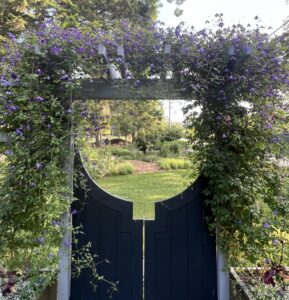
(134, 153)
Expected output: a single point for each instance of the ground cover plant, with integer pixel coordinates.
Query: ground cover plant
(237, 75)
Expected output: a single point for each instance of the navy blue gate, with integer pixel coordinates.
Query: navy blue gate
(179, 253)
(108, 225)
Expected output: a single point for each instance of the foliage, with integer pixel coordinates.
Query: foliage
(173, 148)
(173, 133)
(262, 292)
(18, 15)
(237, 83)
(135, 117)
(100, 162)
(174, 163)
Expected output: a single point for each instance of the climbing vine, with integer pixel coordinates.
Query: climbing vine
(237, 76)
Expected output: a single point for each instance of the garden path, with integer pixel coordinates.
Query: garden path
(144, 167)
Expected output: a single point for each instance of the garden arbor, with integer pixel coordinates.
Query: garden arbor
(219, 70)
(146, 279)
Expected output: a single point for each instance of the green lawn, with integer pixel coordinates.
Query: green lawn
(146, 189)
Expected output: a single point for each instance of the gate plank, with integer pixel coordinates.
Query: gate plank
(108, 225)
(180, 253)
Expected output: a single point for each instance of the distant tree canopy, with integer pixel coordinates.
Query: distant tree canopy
(18, 15)
(130, 117)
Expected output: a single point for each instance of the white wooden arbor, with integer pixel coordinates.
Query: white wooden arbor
(116, 88)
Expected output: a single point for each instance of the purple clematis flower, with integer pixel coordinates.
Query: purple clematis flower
(38, 166)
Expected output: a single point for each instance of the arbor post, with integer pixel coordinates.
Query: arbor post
(223, 279)
(65, 251)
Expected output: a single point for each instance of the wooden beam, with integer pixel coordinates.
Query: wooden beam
(127, 89)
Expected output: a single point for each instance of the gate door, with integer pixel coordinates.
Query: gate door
(180, 254)
(108, 226)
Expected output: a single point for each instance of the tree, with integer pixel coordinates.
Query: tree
(18, 15)
(129, 117)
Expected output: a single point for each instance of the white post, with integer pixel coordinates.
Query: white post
(64, 259)
(223, 277)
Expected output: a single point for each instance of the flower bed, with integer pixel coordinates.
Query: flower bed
(253, 284)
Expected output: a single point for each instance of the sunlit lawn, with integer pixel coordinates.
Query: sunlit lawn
(146, 189)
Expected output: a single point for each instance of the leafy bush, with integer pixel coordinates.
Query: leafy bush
(173, 133)
(174, 163)
(173, 148)
(148, 140)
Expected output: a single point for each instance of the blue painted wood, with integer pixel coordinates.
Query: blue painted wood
(180, 254)
(108, 225)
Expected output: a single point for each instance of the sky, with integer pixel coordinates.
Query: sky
(272, 13)
(196, 12)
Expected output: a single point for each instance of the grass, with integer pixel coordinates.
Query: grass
(146, 189)
(174, 163)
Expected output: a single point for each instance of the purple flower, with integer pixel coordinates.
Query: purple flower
(41, 240)
(8, 152)
(83, 113)
(69, 111)
(201, 50)
(50, 255)
(18, 131)
(74, 212)
(11, 36)
(54, 223)
(5, 82)
(12, 108)
(13, 75)
(38, 166)
(64, 77)
(270, 94)
(38, 99)
(275, 242)
(80, 50)
(266, 225)
(268, 126)
(55, 50)
(38, 72)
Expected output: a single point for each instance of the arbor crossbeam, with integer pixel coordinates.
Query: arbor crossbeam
(126, 89)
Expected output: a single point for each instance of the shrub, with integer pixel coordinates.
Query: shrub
(173, 148)
(174, 163)
(173, 133)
